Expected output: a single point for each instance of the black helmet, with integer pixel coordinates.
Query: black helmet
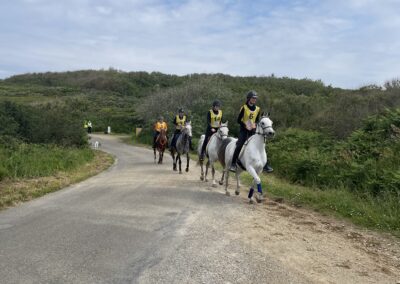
(216, 103)
(180, 110)
(251, 94)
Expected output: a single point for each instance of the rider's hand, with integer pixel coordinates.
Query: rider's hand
(249, 127)
(212, 130)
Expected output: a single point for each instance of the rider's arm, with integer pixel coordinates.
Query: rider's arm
(209, 119)
(239, 120)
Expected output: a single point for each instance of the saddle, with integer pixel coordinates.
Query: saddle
(241, 153)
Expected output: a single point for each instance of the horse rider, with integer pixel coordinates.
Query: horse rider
(158, 126)
(248, 118)
(214, 119)
(89, 124)
(179, 122)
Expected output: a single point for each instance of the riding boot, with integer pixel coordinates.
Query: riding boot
(233, 166)
(267, 168)
(201, 158)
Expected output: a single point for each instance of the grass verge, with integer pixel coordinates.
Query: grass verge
(14, 191)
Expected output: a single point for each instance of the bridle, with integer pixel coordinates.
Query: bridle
(263, 128)
(221, 136)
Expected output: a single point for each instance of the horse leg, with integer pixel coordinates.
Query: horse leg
(257, 181)
(187, 162)
(237, 191)
(202, 171)
(207, 167)
(173, 160)
(226, 181)
(221, 182)
(155, 155)
(180, 162)
(214, 184)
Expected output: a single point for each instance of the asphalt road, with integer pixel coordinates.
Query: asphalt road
(135, 223)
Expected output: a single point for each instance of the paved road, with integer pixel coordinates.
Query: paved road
(135, 223)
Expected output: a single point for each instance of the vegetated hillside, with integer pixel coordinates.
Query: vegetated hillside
(125, 100)
(327, 137)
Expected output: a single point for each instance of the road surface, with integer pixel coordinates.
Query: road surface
(139, 222)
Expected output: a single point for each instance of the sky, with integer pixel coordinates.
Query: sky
(344, 43)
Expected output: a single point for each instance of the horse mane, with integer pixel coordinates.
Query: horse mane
(221, 151)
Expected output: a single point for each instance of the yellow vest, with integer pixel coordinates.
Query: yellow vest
(160, 125)
(216, 118)
(179, 121)
(249, 116)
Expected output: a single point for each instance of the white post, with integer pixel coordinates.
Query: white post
(109, 130)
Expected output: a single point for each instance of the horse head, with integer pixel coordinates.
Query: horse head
(187, 129)
(264, 127)
(223, 130)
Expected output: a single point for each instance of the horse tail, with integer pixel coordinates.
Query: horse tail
(201, 141)
(221, 150)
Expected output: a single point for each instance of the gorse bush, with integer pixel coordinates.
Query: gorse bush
(56, 124)
(367, 161)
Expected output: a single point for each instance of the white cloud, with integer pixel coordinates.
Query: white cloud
(344, 43)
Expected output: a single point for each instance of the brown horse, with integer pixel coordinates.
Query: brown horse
(161, 144)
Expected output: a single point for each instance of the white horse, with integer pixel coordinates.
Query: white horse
(252, 157)
(182, 147)
(212, 151)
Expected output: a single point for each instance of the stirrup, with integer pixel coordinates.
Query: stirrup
(268, 169)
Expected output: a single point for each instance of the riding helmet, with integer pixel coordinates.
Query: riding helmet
(180, 110)
(251, 94)
(216, 103)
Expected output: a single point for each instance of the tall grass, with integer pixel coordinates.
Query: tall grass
(31, 160)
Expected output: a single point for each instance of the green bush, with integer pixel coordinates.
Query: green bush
(367, 161)
(53, 124)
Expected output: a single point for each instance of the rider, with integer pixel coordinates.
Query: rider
(179, 121)
(214, 118)
(248, 118)
(158, 126)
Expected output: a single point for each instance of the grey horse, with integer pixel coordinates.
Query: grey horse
(182, 147)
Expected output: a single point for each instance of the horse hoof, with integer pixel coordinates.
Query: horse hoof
(206, 180)
(187, 170)
(260, 198)
(237, 192)
(214, 185)
(227, 193)
(174, 169)
(201, 178)
(180, 173)
(221, 183)
(251, 201)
